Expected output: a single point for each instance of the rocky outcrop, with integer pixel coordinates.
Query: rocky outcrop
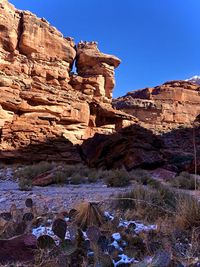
(92, 63)
(132, 147)
(43, 105)
(163, 108)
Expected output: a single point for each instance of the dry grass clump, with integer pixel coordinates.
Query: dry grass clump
(145, 202)
(185, 181)
(182, 209)
(187, 212)
(88, 214)
(117, 178)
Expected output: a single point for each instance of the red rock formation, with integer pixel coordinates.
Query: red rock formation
(41, 101)
(91, 62)
(163, 107)
(132, 147)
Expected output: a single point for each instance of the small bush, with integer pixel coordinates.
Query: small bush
(188, 212)
(93, 176)
(139, 174)
(71, 170)
(60, 177)
(77, 178)
(31, 171)
(117, 178)
(148, 203)
(25, 184)
(185, 181)
(143, 177)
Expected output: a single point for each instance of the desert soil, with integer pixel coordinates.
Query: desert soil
(54, 197)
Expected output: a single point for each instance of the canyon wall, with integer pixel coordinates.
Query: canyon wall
(163, 108)
(45, 108)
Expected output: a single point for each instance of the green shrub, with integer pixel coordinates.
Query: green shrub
(60, 177)
(185, 181)
(143, 177)
(93, 176)
(25, 184)
(97, 174)
(77, 178)
(71, 170)
(117, 178)
(31, 171)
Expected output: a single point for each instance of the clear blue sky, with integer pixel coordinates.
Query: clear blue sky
(157, 40)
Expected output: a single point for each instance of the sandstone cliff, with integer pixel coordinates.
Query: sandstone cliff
(45, 109)
(163, 107)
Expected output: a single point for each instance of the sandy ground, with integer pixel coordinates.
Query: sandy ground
(55, 198)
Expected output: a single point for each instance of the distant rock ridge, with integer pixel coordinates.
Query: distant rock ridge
(41, 100)
(165, 107)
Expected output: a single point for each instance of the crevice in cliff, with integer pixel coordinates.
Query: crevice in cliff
(1, 135)
(73, 68)
(20, 30)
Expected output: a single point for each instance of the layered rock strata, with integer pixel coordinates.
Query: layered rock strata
(44, 107)
(163, 108)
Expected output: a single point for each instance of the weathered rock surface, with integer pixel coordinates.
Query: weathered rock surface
(138, 147)
(164, 107)
(132, 147)
(45, 109)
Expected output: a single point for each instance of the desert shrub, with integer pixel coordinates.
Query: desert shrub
(188, 212)
(143, 177)
(71, 170)
(148, 203)
(31, 171)
(77, 178)
(185, 181)
(139, 173)
(97, 174)
(117, 178)
(60, 177)
(25, 184)
(93, 176)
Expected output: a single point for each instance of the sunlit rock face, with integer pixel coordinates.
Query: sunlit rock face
(45, 109)
(163, 107)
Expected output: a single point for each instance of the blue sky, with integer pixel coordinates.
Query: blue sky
(157, 40)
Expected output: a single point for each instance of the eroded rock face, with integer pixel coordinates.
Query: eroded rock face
(92, 63)
(164, 107)
(132, 147)
(45, 110)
